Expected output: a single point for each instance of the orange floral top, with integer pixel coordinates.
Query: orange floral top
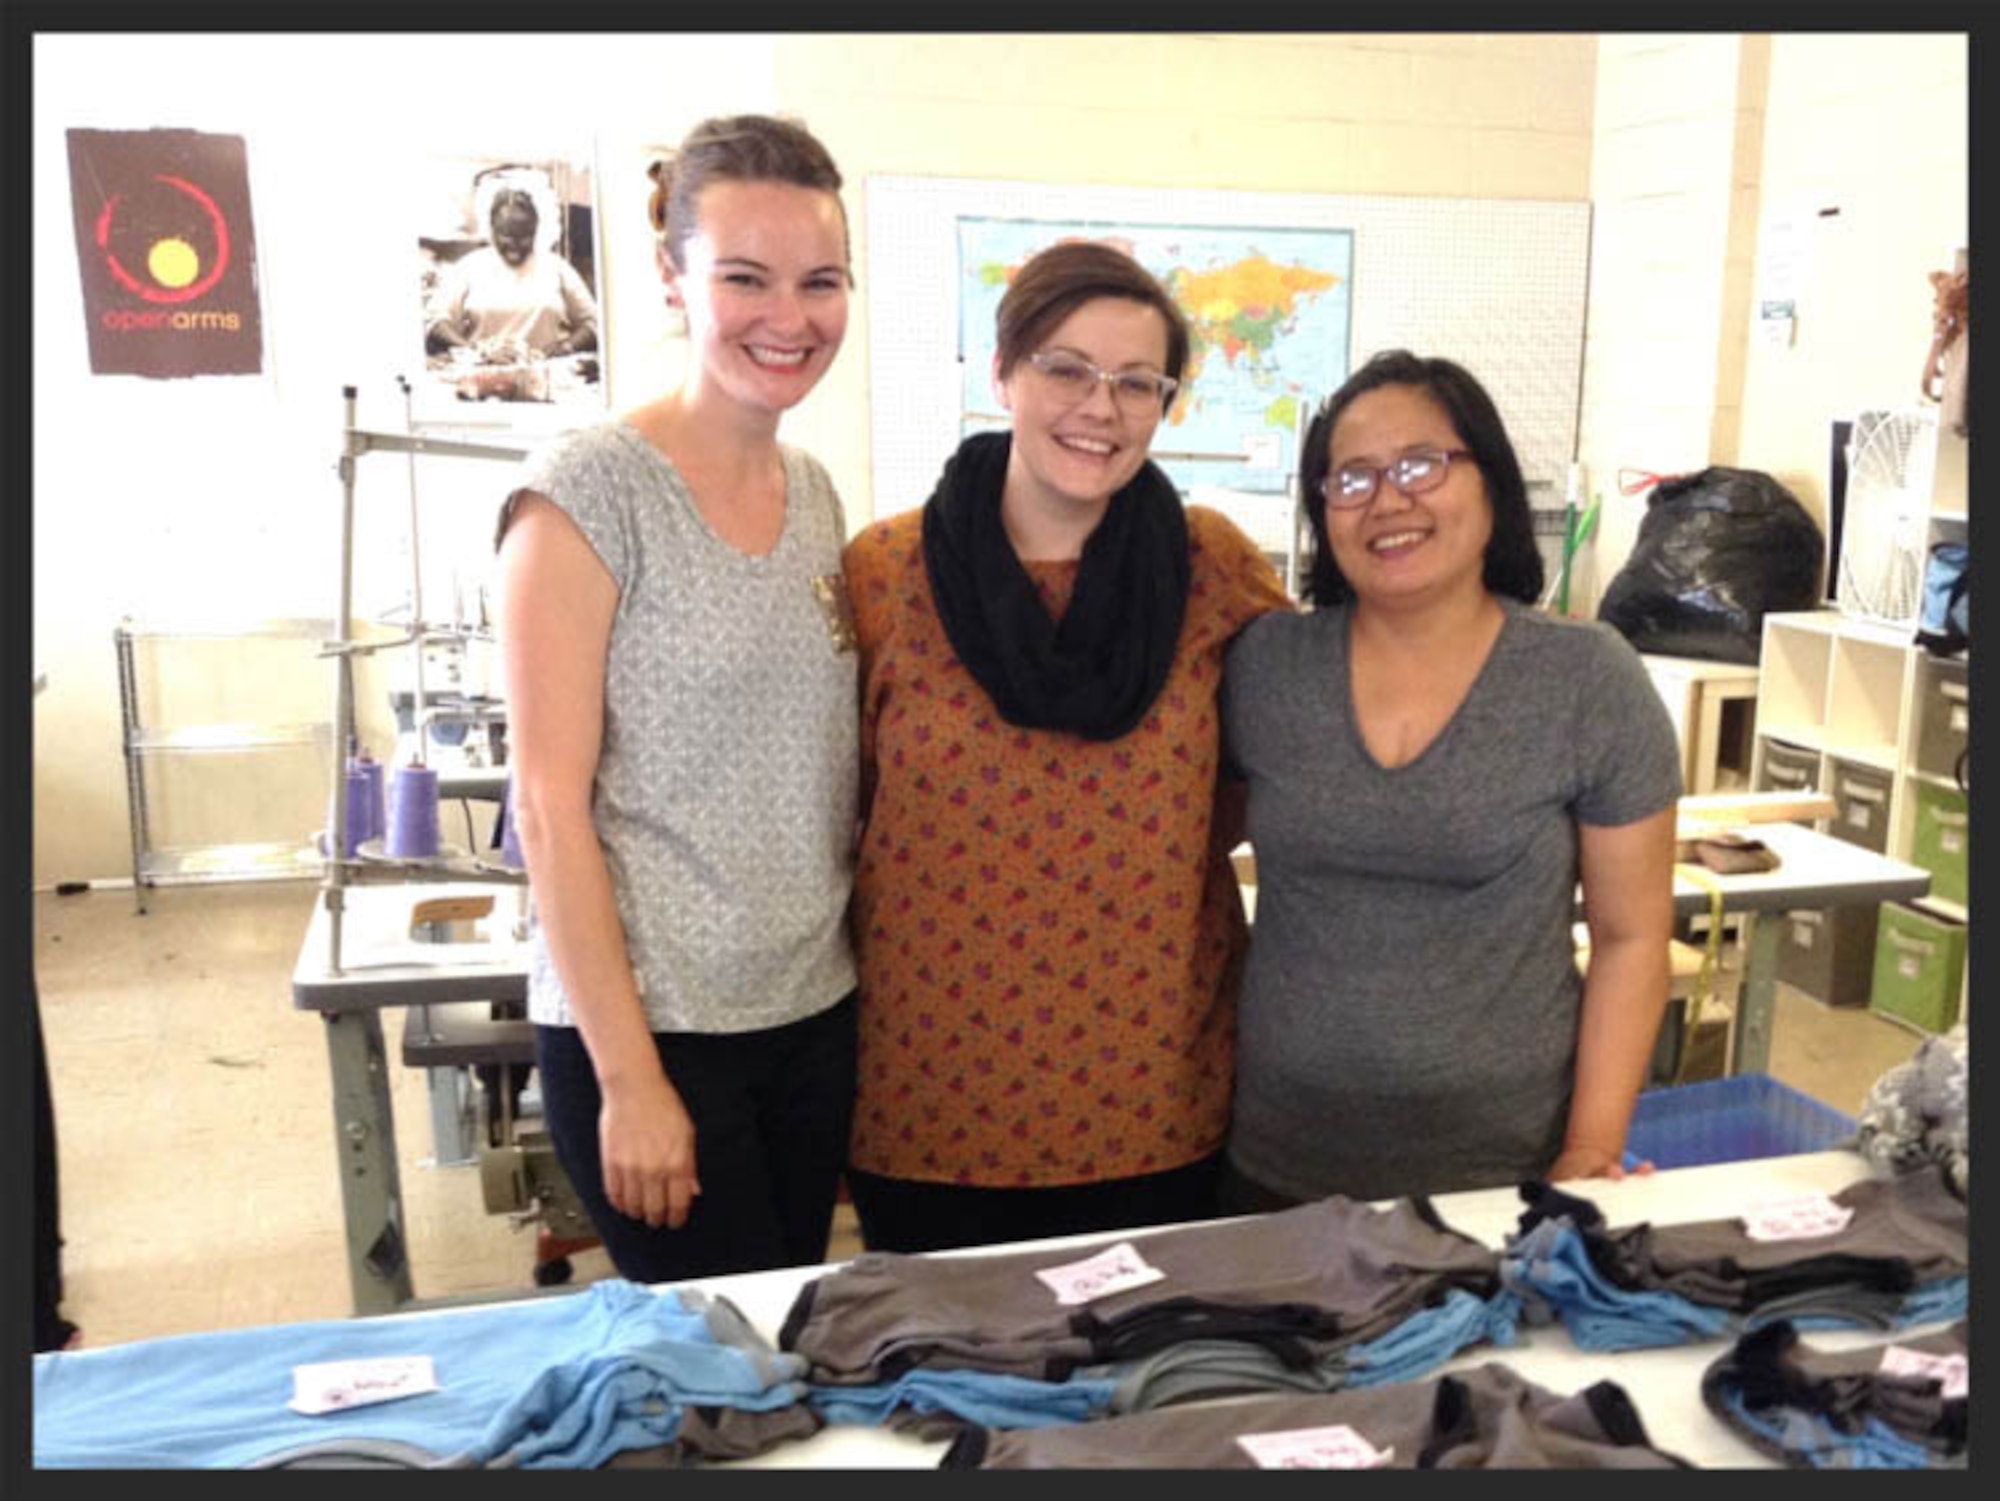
(1049, 942)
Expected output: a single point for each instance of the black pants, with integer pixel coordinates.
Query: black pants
(771, 1111)
(52, 1330)
(1238, 1193)
(899, 1214)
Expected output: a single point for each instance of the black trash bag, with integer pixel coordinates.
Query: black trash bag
(1716, 552)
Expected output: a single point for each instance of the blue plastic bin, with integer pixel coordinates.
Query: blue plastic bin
(1730, 1120)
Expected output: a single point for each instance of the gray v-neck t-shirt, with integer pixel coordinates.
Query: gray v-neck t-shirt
(1410, 1004)
(726, 787)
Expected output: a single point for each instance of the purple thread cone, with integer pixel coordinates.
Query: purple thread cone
(378, 822)
(413, 814)
(356, 828)
(510, 835)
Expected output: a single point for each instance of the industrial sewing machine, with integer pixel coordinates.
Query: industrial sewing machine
(479, 1055)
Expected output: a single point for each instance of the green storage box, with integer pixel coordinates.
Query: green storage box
(1919, 967)
(1940, 837)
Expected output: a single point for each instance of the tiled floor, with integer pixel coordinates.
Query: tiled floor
(196, 1134)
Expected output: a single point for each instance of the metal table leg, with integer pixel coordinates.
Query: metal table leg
(1756, 997)
(371, 1193)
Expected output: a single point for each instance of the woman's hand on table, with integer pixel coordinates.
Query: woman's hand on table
(1593, 1162)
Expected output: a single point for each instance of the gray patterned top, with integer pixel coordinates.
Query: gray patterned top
(727, 780)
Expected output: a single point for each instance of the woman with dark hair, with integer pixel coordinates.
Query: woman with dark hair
(510, 300)
(1045, 917)
(1433, 765)
(680, 675)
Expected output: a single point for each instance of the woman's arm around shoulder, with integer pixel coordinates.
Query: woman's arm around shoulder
(1246, 583)
(878, 565)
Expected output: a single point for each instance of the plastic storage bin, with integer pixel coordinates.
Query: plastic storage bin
(1919, 966)
(1730, 1120)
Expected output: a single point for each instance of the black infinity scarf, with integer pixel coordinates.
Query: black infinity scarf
(1097, 672)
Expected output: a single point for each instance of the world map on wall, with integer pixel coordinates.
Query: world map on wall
(1268, 310)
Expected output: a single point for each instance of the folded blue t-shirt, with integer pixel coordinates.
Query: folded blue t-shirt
(564, 1381)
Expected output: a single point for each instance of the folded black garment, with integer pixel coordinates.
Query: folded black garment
(1894, 1405)
(1301, 1282)
(1486, 1417)
(1904, 1232)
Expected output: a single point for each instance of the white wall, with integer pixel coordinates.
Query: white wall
(1875, 126)
(1426, 114)
(1702, 144)
(217, 496)
(161, 498)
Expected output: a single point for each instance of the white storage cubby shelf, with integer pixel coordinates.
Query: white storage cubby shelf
(1854, 695)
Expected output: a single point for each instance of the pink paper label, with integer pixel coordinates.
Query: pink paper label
(1803, 1217)
(1335, 1448)
(1108, 1272)
(1954, 1371)
(335, 1385)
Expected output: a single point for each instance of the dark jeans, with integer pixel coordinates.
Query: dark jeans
(51, 1328)
(899, 1214)
(771, 1111)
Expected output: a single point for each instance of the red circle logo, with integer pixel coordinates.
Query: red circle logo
(152, 290)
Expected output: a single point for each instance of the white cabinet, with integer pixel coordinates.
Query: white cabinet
(1877, 721)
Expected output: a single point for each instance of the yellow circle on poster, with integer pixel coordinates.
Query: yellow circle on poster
(173, 262)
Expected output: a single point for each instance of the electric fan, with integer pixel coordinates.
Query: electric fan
(1889, 460)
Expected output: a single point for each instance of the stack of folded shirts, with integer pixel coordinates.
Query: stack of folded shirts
(1902, 1405)
(1486, 1417)
(1881, 1253)
(1325, 1295)
(614, 1373)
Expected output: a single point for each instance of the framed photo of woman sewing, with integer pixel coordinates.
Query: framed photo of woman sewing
(508, 290)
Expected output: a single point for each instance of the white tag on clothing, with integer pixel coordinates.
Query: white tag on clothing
(1108, 1272)
(1335, 1448)
(335, 1385)
(1800, 1217)
(1953, 1371)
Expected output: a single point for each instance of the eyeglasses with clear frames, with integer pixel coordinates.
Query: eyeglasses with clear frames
(1075, 377)
(1353, 485)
